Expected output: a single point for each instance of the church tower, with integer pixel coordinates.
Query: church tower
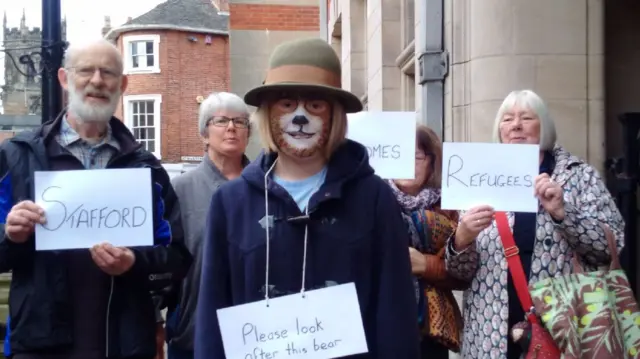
(21, 93)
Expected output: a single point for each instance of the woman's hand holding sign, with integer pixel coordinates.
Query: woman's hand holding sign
(22, 220)
(471, 224)
(549, 194)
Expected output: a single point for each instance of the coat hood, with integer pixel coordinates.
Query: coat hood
(350, 162)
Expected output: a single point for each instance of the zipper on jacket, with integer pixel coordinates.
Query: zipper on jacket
(107, 321)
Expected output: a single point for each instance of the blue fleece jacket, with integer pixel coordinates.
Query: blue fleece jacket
(356, 234)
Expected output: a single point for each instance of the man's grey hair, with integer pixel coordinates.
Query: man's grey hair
(529, 100)
(73, 51)
(216, 102)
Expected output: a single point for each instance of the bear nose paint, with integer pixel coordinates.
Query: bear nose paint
(300, 121)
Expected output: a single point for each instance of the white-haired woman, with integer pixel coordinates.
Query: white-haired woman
(573, 203)
(223, 124)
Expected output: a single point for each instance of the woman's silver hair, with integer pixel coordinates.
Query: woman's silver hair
(531, 101)
(216, 102)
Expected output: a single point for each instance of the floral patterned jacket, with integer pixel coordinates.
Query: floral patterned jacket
(587, 203)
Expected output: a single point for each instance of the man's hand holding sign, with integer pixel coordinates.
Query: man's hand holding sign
(21, 223)
(113, 260)
(22, 220)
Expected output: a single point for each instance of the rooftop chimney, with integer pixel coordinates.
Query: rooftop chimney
(107, 26)
(221, 5)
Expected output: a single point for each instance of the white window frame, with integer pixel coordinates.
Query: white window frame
(127, 109)
(128, 60)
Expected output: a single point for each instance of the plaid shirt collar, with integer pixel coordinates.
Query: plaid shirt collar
(68, 136)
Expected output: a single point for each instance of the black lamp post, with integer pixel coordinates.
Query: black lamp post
(51, 57)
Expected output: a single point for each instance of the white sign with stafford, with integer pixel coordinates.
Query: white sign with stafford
(88, 207)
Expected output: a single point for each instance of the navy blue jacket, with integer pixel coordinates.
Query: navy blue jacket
(39, 299)
(356, 234)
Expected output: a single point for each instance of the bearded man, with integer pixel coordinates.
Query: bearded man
(308, 213)
(97, 303)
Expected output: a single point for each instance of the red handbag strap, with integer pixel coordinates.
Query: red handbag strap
(511, 252)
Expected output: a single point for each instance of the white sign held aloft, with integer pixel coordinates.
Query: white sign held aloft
(390, 139)
(325, 323)
(494, 174)
(88, 207)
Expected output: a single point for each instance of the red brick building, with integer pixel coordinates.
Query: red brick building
(255, 29)
(275, 17)
(174, 55)
(180, 51)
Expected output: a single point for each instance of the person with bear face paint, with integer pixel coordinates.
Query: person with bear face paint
(313, 199)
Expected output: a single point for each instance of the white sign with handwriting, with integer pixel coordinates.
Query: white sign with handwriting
(88, 207)
(494, 174)
(325, 324)
(390, 139)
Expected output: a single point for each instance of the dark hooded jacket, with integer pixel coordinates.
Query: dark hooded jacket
(41, 300)
(356, 234)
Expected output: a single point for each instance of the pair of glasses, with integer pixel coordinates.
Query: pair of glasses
(88, 72)
(223, 121)
(306, 96)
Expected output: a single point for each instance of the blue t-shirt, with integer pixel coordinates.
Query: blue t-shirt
(302, 190)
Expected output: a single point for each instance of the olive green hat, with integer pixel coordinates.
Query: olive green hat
(305, 65)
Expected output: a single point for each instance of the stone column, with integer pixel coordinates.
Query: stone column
(552, 47)
(354, 46)
(596, 141)
(383, 75)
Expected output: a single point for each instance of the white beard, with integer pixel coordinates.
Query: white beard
(91, 113)
(313, 129)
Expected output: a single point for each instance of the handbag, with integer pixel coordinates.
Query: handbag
(444, 319)
(540, 343)
(591, 315)
(441, 315)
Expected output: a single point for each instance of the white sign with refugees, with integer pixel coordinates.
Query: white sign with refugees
(499, 175)
(88, 207)
(325, 323)
(390, 139)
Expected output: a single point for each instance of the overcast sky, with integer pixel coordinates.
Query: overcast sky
(85, 18)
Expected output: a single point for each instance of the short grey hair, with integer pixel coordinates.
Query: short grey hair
(72, 52)
(531, 101)
(216, 102)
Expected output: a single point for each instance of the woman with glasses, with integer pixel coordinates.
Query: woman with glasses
(573, 205)
(438, 313)
(223, 124)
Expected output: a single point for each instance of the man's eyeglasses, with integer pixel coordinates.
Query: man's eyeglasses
(88, 72)
(222, 121)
